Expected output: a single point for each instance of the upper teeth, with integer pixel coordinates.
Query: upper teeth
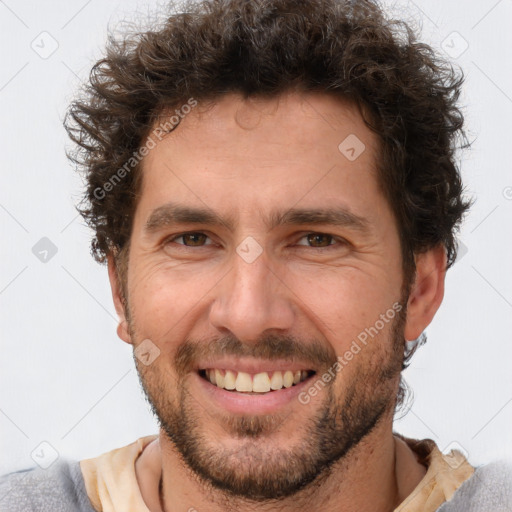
(258, 383)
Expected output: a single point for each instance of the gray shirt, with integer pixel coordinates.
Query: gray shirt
(61, 488)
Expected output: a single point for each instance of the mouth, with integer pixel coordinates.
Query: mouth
(257, 383)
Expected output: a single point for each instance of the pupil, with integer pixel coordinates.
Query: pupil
(195, 238)
(319, 240)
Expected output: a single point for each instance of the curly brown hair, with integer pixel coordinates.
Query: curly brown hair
(407, 94)
(265, 47)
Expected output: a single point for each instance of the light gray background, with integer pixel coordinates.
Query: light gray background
(66, 379)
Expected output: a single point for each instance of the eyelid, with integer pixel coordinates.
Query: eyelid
(173, 238)
(339, 240)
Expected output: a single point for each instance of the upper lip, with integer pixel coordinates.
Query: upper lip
(253, 366)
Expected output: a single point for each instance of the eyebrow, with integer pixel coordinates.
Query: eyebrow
(332, 216)
(172, 213)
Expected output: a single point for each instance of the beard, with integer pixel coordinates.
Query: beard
(257, 468)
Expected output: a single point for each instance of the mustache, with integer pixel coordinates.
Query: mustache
(268, 347)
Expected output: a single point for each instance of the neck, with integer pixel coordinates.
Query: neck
(376, 475)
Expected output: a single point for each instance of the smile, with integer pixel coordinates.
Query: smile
(262, 382)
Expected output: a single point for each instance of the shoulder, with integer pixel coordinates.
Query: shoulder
(59, 488)
(489, 489)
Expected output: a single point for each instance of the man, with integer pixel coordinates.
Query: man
(273, 187)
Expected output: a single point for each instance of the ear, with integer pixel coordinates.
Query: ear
(427, 291)
(122, 329)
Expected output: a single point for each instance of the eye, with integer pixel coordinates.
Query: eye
(318, 240)
(192, 239)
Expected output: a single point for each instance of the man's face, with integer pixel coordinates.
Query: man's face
(298, 256)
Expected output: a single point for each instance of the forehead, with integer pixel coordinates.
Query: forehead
(292, 119)
(237, 154)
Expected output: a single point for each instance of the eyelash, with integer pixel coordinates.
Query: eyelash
(338, 240)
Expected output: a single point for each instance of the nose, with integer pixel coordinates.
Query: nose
(251, 299)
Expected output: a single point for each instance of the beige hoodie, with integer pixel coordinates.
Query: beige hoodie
(112, 485)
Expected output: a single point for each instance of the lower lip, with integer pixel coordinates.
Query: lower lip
(243, 403)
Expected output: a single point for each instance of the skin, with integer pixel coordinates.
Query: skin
(243, 159)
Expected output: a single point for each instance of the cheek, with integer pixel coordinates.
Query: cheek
(163, 301)
(343, 302)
